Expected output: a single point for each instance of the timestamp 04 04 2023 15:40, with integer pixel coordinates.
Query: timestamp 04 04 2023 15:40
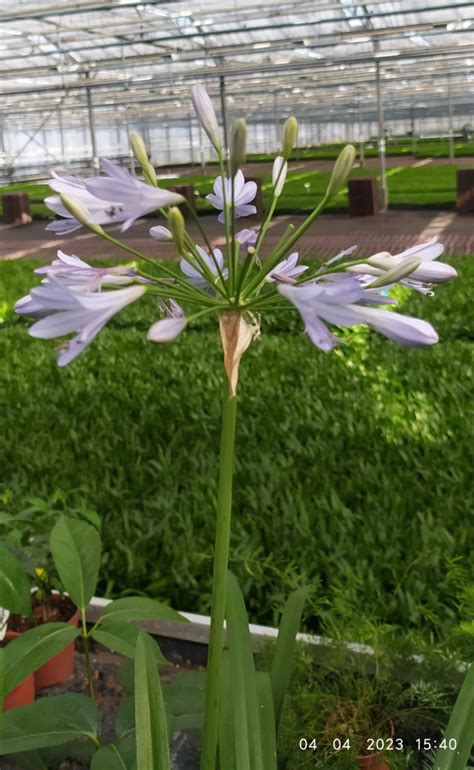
(381, 744)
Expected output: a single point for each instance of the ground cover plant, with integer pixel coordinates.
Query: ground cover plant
(371, 469)
(425, 187)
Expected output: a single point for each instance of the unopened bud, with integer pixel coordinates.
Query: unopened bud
(290, 132)
(206, 115)
(176, 227)
(139, 150)
(79, 212)
(341, 170)
(402, 270)
(238, 142)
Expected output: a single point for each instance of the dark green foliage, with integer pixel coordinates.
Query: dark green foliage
(353, 469)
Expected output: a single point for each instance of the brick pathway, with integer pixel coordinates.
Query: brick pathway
(394, 232)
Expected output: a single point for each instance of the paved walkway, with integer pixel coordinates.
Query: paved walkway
(394, 232)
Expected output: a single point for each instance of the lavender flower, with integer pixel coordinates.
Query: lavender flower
(137, 198)
(101, 212)
(247, 238)
(195, 276)
(340, 303)
(287, 270)
(279, 172)
(79, 275)
(428, 272)
(244, 192)
(160, 233)
(66, 310)
(167, 329)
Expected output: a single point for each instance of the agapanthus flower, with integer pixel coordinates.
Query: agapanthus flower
(160, 233)
(136, 197)
(101, 212)
(287, 270)
(341, 303)
(167, 329)
(80, 275)
(214, 263)
(428, 272)
(247, 238)
(65, 310)
(244, 192)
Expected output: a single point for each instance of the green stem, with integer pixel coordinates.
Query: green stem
(85, 639)
(221, 561)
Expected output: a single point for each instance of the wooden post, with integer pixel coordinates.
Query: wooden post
(16, 208)
(363, 197)
(187, 191)
(465, 190)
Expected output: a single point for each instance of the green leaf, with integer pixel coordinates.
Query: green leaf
(108, 758)
(76, 550)
(122, 638)
(139, 608)
(226, 718)
(15, 592)
(248, 745)
(460, 728)
(267, 720)
(186, 693)
(125, 719)
(2, 678)
(33, 648)
(48, 722)
(285, 649)
(150, 714)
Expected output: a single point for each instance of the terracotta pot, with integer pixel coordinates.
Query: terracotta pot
(61, 667)
(25, 692)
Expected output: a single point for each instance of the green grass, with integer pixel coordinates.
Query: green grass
(352, 468)
(424, 148)
(425, 186)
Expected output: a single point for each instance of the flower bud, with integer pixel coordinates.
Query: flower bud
(206, 115)
(402, 270)
(238, 141)
(176, 227)
(290, 132)
(341, 170)
(79, 212)
(139, 150)
(279, 171)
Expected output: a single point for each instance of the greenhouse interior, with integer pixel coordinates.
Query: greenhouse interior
(236, 385)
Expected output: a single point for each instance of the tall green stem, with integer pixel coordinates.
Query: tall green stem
(221, 560)
(85, 640)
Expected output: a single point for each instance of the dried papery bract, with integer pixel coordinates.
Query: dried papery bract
(236, 336)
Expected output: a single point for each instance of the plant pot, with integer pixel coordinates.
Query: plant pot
(61, 667)
(25, 692)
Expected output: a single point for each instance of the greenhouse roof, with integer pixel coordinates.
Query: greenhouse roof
(303, 55)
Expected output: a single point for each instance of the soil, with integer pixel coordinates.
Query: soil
(55, 608)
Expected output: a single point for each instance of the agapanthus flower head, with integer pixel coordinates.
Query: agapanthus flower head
(287, 271)
(101, 212)
(244, 192)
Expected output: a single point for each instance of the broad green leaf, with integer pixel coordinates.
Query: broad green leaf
(226, 718)
(460, 729)
(31, 760)
(33, 648)
(125, 718)
(139, 608)
(285, 649)
(108, 758)
(48, 722)
(15, 592)
(76, 550)
(267, 720)
(122, 638)
(248, 747)
(150, 713)
(186, 693)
